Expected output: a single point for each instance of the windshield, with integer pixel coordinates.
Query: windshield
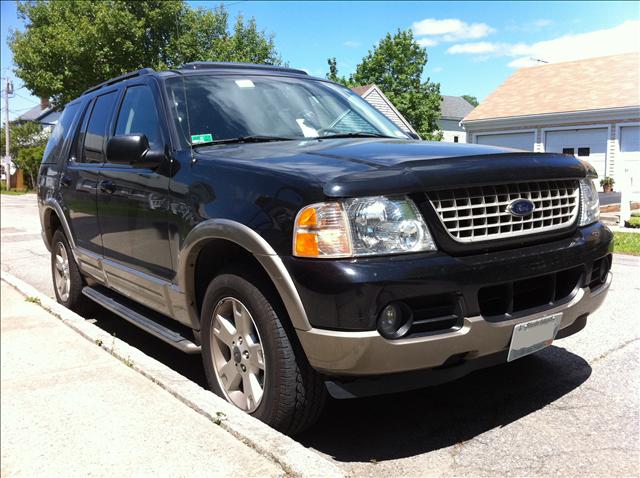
(210, 108)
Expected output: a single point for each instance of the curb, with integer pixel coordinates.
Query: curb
(295, 459)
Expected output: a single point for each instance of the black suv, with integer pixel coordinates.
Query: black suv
(303, 244)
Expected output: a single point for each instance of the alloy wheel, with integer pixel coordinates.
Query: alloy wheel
(62, 277)
(238, 357)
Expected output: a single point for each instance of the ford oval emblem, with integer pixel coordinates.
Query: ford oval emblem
(520, 207)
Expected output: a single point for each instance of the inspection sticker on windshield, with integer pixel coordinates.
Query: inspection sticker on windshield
(201, 138)
(529, 337)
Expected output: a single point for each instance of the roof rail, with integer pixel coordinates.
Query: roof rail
(211, 65)
(126, 76)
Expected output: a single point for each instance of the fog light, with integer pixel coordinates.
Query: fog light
(394, 321)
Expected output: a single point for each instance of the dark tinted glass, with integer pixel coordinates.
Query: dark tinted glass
(138, 115)
(567, 150)
(584, 151)
(97, 128)
(60, 134)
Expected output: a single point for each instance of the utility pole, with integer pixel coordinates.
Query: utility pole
(7, 170)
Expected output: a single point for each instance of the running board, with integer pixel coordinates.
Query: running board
(134, 313)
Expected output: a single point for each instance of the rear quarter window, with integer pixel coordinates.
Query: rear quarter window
(60, 134)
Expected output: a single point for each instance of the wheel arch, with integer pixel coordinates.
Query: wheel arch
(53, 218)
(239, 239)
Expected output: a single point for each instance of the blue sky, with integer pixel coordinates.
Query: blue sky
(472, 46)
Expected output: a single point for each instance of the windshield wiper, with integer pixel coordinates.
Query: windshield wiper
(243, 139)
(356, 134)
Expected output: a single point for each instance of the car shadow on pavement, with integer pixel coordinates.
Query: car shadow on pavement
(406, 424)
(401, 425)
(185, 364)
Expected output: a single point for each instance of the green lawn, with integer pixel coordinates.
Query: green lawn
(627, 243)
(15, 192)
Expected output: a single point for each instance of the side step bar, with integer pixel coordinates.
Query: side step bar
(125, 309)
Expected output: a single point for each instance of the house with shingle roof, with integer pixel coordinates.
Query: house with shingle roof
(588, 108)
(452, 110)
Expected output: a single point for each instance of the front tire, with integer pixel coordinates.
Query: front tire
(251, 360)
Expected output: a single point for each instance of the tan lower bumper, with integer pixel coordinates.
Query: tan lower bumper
(368, 353)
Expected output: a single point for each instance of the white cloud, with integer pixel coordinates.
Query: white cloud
(352, 44)
(623, 38)
(479, 47)
(451, 29)
(424, 42)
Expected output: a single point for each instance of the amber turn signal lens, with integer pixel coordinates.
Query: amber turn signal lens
(321, 231)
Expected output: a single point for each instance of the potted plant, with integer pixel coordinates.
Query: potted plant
(607, 184)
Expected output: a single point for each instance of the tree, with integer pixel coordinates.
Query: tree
(333, 73)
(471, 99)
(68, 46)
(396, 65)
(27, 144)
(29, 159)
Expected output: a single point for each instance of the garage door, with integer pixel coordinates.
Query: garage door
(524, 141)
(588, 144)
(630, 156)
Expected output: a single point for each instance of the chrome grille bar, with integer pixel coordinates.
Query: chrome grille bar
(480, 213)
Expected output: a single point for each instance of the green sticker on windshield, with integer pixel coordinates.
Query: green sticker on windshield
(201, 138)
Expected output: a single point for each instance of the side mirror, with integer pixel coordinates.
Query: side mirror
(132, 149)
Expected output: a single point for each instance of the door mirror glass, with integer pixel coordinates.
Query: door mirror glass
(127, 149)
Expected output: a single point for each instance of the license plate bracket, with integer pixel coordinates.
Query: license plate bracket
(533, 335)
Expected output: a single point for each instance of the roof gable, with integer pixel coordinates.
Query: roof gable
(590, 84)
(376, 98)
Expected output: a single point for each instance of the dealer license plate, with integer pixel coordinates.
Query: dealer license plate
(529, 337)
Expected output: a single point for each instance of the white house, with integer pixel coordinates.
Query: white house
(589, 108)
(452, 110)
(374, 96)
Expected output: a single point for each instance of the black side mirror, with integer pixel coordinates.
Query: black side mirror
(132, 149)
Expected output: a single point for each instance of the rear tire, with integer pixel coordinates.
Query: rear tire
(252, 361)
(67, 280)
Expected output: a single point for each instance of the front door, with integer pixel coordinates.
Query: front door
(133, 205)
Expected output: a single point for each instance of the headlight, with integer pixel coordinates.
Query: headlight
(360, 227)
(589, 203)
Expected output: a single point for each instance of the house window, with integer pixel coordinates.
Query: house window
(567, 150)
(455, 139)
(584, 151)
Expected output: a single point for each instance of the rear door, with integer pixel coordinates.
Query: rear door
(133, 200)
(78, 184)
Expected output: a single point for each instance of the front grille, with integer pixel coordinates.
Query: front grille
(480, 213)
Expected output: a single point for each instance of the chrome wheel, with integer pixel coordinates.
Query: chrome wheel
(61, 275)
(238, 358)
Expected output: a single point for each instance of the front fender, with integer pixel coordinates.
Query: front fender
(249, 240)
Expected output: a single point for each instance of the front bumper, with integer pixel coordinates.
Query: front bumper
(343, 299)
(368, 353)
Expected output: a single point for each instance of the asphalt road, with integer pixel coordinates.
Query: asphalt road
(570, 410)
(609, 198)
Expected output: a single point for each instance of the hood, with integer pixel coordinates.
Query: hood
(356, 167)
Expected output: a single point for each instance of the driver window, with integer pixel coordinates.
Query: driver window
(138, 115)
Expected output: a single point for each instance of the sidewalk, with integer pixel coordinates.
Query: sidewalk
(68, 408)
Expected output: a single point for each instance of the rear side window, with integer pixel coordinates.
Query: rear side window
(60, 134)
(138, 115)
(93, 149)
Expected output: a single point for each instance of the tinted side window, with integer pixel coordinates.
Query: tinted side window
(93, 150)
(138, 115)
(60, 134)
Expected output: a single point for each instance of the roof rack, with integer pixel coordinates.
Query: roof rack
(117, 79)
(211, 65)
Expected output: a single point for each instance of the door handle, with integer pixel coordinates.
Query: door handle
(107, 187)
(65, 181)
